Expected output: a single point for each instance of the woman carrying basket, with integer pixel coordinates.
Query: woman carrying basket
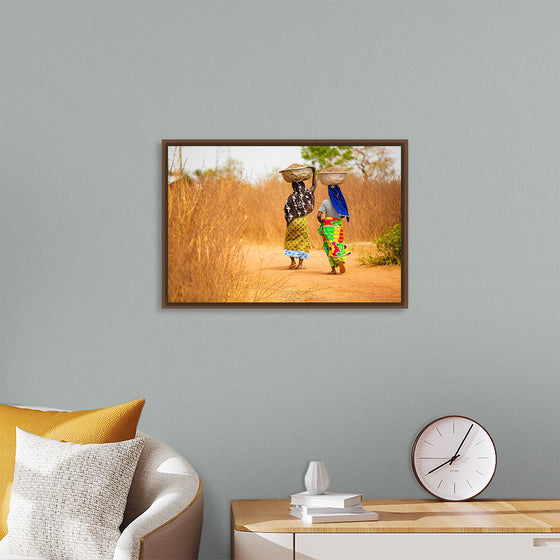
(299, 204)
(331, 213)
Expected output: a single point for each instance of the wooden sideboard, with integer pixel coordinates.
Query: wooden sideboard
(406, 529)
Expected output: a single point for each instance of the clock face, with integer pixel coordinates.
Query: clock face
(454, 458)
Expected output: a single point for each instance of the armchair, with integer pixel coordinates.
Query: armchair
(163, 516)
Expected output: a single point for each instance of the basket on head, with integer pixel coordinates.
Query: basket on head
(296, 172)
(332, 176)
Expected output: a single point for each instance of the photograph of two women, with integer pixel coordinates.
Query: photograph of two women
(284, 223)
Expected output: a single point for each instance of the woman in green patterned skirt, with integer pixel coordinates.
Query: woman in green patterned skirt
(330, 215)
(299, 204)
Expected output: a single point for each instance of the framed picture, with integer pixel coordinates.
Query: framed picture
(276, 223)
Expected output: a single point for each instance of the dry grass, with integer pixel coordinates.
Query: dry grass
(373, 206)
(212, 219)
(205, 258)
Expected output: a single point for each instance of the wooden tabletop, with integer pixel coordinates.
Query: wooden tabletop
(409, 516)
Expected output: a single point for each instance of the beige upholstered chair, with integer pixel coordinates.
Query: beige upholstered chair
(163, 517)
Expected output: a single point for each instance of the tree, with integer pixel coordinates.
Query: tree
(373, 161)
(231, 168)
(370, 161)
(327, 156)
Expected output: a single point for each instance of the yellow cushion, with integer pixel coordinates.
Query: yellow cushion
(104, 425)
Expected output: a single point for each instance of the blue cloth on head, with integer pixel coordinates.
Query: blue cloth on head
(338, 201)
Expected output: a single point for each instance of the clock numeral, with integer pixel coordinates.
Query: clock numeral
(440, 483)
(479, 472)
(479, 442)
(438, 432)
(429, 443)
(468, 482)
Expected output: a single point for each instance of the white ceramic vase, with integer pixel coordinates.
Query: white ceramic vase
(316, 478)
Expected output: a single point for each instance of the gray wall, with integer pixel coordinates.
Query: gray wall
(89, 89)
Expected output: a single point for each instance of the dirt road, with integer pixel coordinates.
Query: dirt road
(272, 281)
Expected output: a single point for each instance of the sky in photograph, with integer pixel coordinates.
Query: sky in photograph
(257, 161)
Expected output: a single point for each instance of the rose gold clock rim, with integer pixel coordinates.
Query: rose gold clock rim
(414, 449)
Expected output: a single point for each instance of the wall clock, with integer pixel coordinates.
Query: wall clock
(454, 458)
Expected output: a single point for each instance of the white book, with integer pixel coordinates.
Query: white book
(364, 515)
(328, 499)
(311, 510)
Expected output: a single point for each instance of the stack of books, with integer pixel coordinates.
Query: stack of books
(330, 507)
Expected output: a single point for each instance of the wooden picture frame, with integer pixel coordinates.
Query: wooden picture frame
(222, 225)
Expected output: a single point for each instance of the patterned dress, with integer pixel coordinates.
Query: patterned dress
(332, 232)
(297, 243)
(331, 229)
(300, 203)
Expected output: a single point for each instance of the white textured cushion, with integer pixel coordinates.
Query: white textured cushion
(17, 557)
(68, 499)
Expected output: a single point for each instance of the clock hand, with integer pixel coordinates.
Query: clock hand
(461, 445)
(439, 467)
(456, 455)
